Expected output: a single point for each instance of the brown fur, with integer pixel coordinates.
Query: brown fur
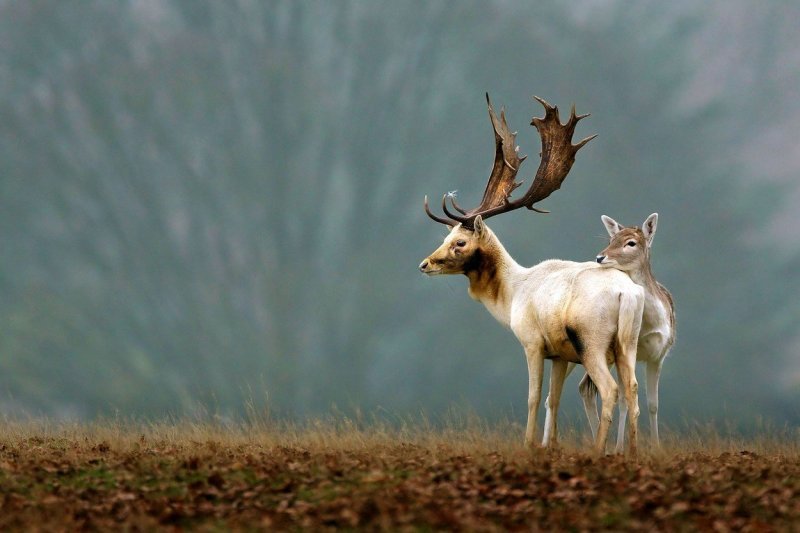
(648, 279)
(481, 270)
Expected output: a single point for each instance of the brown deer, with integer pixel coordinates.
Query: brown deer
(558, 310)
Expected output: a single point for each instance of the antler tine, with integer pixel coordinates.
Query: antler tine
(548, 110)
(582, 142)
(434, 217)
(455, 204)
(457, 218)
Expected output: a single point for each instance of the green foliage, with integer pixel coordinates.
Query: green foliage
(201, 199)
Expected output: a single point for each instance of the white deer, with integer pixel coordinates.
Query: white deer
(559, 310)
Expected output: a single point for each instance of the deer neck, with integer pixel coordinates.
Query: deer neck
(491, 271)
(644, 277)
(654, 294)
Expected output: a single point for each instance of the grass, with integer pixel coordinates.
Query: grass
(340, 472)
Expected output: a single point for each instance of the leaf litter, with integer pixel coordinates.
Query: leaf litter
(210, 480)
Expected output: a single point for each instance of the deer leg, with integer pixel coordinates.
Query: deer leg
(623, 416)
(549, 413)
(597, 369)
(535, 359)
(630, 387)
(558, 373)
(588, 392)
(653, 373)
(548, 418)
(629, 325)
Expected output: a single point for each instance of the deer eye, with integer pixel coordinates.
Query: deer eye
(461, 243)
(630, 243)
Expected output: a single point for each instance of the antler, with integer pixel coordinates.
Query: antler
(557, 157)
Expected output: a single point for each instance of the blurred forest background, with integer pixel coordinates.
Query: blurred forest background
(215, 203)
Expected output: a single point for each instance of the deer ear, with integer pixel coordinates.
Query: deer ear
(612, 226)
(479, 227)
(649, 228)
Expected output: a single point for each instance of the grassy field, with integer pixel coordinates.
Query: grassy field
(345, 474)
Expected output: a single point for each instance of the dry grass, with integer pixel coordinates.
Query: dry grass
(398, 474)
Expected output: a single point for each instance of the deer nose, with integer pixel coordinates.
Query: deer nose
(423, 265)
(600, 259)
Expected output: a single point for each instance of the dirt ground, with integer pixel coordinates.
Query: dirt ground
(203, 478)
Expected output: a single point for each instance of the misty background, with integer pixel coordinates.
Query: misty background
(220, 203)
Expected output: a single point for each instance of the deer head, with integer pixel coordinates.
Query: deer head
(461, 250)
(629, 248)
(468, 232)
